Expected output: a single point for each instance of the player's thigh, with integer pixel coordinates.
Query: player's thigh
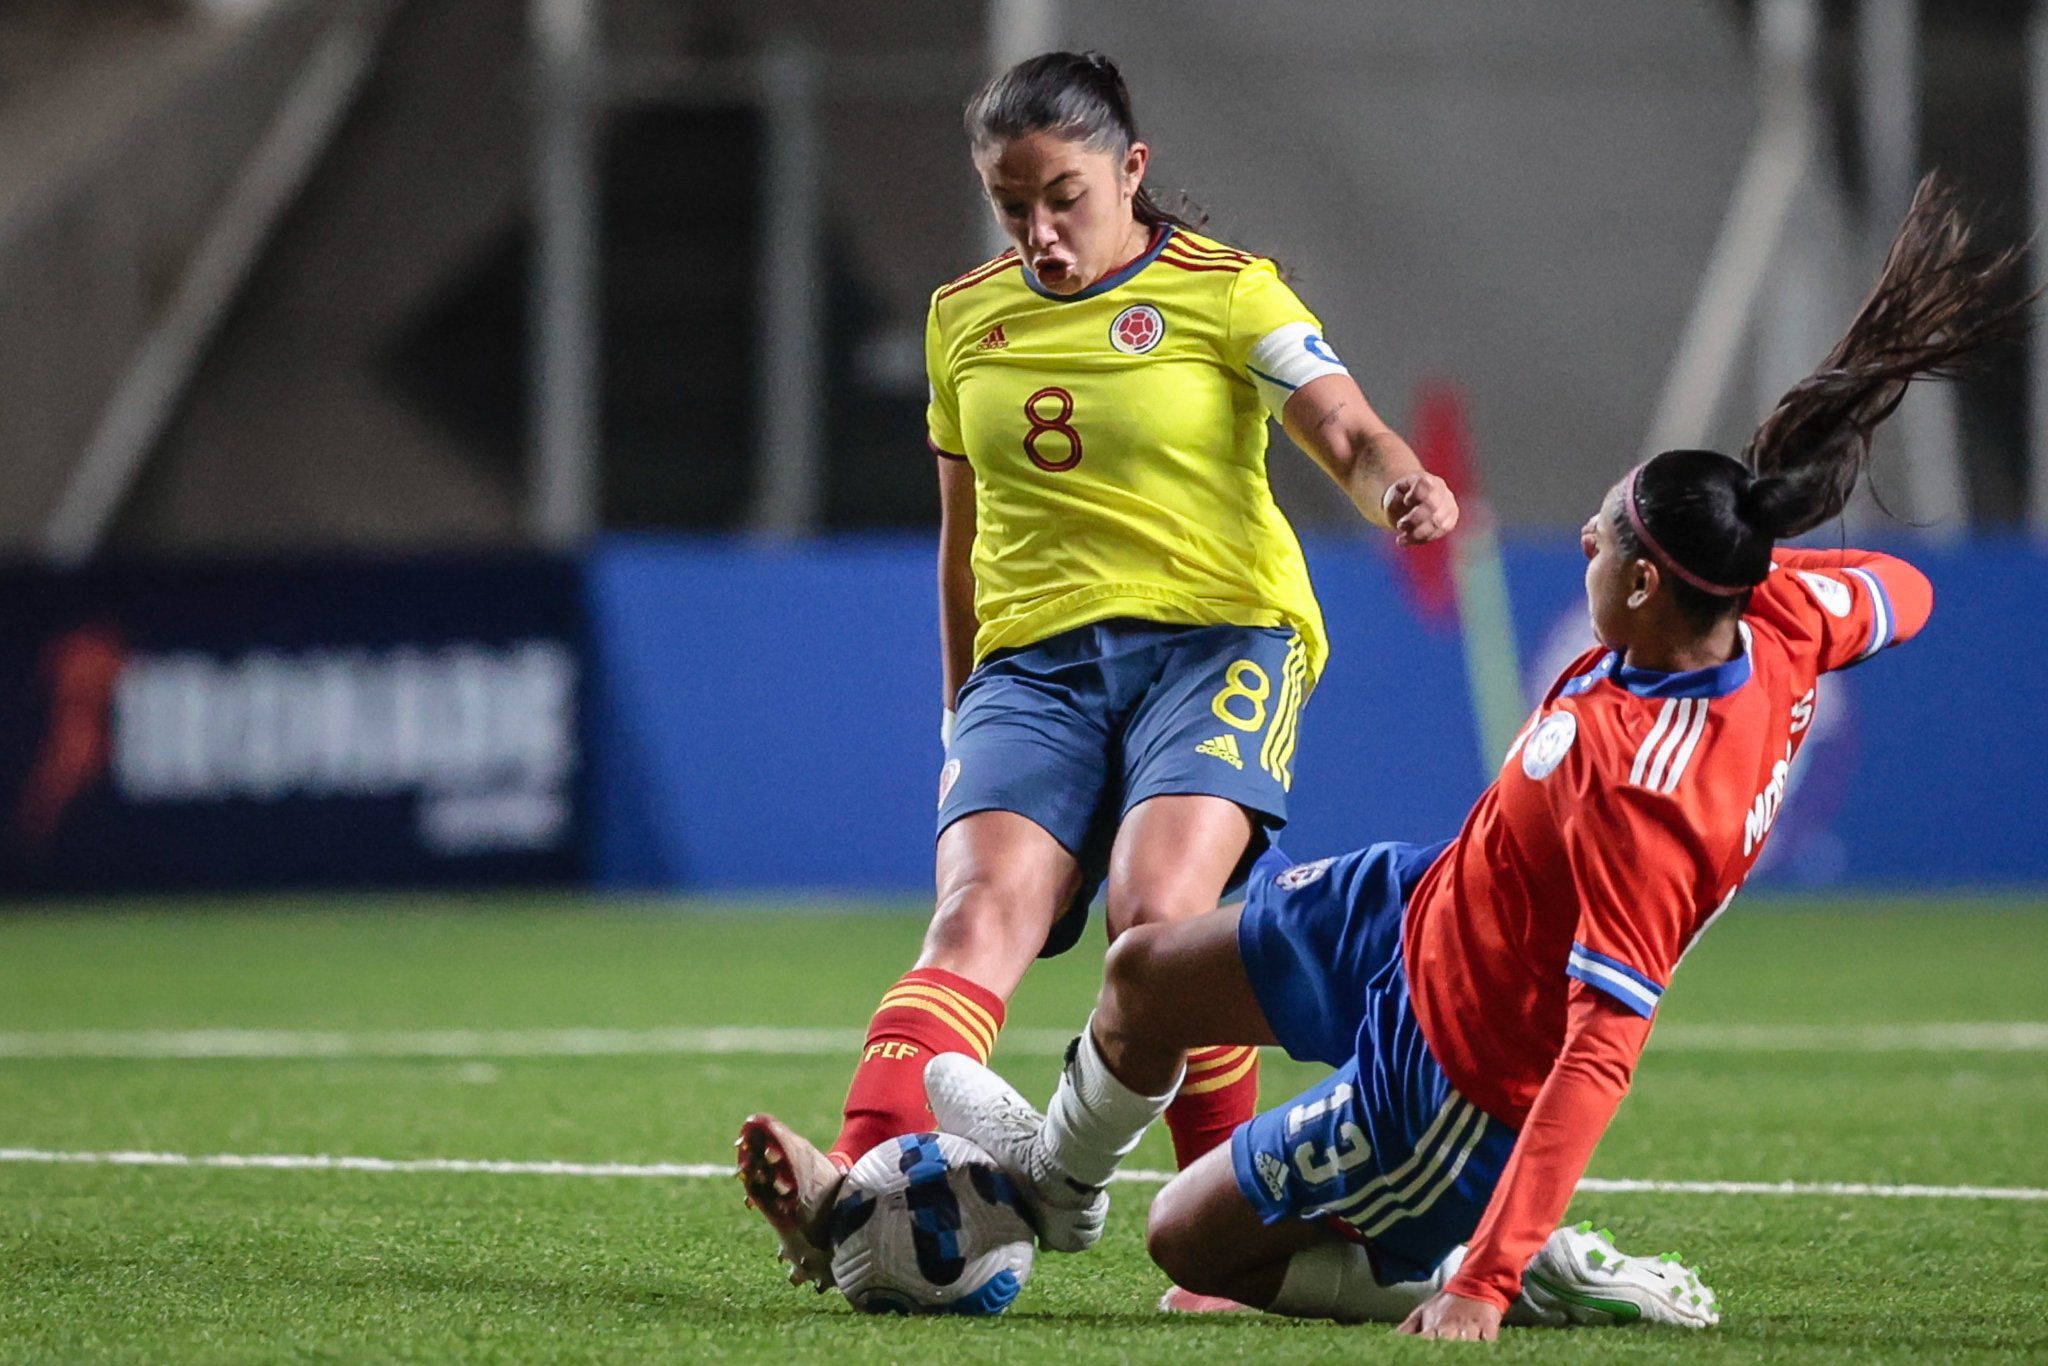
(1215, 734)
(1173, 856)
(1179, 985)
(1032, 735)
(1205, 1235)
(1222, 717)
(1020, 801)
(1003, 880)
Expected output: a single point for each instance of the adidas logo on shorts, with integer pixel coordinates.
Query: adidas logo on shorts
(1273, 1172)
(1223, 747)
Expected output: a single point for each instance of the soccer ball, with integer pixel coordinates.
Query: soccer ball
(929, 1224)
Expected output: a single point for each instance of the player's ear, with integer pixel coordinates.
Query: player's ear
(1135, 162)
(1643, 579)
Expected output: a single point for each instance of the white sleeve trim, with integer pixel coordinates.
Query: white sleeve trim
(1634, 990)
(1288, 357)
(1881, 625)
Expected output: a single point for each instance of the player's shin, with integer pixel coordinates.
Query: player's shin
(1220, 1092)
(929, 1012)
(1333, 1279)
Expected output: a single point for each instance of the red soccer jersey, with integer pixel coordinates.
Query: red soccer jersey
(1626, 816)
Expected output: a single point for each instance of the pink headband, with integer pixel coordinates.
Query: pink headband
(1663, 556)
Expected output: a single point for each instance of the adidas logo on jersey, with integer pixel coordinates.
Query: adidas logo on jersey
(994, 341)
(1223, 747)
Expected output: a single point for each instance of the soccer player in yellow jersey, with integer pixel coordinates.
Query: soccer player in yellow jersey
(1129, 633)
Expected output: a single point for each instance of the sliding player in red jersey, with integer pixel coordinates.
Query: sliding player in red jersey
(1485, 1001)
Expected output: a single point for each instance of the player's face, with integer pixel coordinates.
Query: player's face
(1066, 205)
(1608, 575)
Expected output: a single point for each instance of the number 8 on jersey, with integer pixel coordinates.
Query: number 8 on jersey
(1060, 405)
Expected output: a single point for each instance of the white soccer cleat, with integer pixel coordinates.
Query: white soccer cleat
(792, 1185)
(970, 1100)
(1580, 1277)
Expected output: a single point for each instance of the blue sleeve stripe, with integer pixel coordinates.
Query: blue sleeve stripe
(1615, 985)
(1617, 979)
(1290, 388)
(1884, 627)
(1649, 984)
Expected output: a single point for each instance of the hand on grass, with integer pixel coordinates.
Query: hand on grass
(1444, 1315)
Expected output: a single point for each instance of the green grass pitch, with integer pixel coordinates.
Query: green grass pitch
(105, 1262)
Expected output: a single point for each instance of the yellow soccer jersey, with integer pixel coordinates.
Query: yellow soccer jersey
(1118, 440)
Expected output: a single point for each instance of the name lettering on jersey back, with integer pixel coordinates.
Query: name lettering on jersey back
(1763, 813)
(1802, 712)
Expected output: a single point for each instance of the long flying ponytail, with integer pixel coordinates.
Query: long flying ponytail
(1939, 298)
(1712, 521)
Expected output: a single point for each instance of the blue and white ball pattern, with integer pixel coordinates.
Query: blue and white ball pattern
(929, 1224)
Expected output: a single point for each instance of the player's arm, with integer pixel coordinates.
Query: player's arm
(1277, 344)
(1603, 1039)
(957, 623)
(1329, 418)
(1850, 603)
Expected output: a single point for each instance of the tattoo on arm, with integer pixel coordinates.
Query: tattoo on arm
(1330, 415)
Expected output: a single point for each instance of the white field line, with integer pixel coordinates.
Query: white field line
(700, 1171)
(461, 1043)
(2025, 1036)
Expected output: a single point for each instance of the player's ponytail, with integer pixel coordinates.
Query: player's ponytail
(1710, 521)
(1937, 301)
(1080, 96)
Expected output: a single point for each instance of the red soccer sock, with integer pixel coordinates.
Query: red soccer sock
(931, 1011)
(1220, 1093)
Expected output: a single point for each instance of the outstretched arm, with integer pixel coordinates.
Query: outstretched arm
(1329, 418)
(1852, 603)
(1603, 1039)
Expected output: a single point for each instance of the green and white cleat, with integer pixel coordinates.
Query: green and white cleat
(1580, 1277)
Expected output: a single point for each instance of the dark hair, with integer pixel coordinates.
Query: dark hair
(1713, 520)
(1080, 96)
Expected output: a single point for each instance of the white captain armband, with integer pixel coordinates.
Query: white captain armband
(1287, 358)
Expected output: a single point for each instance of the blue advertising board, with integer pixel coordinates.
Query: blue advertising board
(720, 716)
(168, 726)
(768, 719)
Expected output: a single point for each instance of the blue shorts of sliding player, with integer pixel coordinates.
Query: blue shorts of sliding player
(1384, 1149)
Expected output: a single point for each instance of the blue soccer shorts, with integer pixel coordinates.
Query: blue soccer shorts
(1384, 1148)
(1074, 731)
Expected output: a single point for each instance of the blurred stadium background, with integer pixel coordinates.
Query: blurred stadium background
(474, 442)
(464, 490)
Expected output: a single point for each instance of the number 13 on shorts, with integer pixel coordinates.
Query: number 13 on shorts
(1246, 702)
